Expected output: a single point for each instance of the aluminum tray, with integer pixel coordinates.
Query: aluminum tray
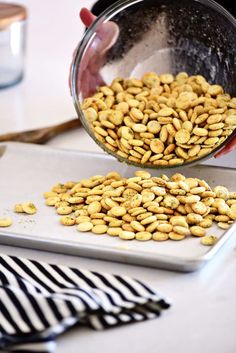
(26, 171)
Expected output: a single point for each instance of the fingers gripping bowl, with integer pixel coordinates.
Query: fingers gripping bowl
(128, 52)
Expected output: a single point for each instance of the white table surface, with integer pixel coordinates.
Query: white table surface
(203, 315)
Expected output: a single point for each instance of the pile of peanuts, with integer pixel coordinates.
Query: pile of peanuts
(161, 120)
(143, 207)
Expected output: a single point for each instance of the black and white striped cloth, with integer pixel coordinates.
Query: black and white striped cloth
(39, 301)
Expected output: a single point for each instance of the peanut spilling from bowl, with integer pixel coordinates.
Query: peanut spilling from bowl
(161, 120)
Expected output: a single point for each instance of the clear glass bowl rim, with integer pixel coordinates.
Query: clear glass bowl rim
(104, 17)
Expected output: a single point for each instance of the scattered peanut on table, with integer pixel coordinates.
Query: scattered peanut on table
(5, 222)
(209, 240)
(25, 207)
(144, 207)
(161, 120)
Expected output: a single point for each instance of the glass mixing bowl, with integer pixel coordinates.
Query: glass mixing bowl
(164, 36)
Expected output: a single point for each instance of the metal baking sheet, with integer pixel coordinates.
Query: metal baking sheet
(26, 171)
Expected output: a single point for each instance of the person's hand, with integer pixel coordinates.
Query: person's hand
(95, 56)
(228, 148)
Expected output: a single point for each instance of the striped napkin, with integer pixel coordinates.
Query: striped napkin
(39, 301)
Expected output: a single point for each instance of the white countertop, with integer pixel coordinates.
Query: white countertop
(203, 315)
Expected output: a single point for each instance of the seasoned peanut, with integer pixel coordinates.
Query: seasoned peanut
(85, 226)
(159, 236)
(18, 208)
(64, 210)
(52, 200)
(5, 222)
(126, 235)
(197, 231)
(94, 207)
(118, 211)
(143, 236)
(99, 229)
(181, 230)
(209, 240)
(29, 208)
(164, 228)
(224, 225)
(114, 231)
(194, 218)
(176, 236)
(67, 221)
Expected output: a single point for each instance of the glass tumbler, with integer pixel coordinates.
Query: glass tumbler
(164, 36)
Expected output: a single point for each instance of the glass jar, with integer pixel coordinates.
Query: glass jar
(12, 43)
